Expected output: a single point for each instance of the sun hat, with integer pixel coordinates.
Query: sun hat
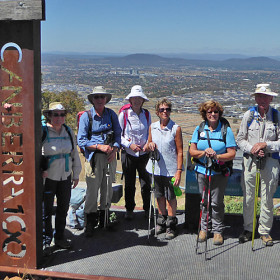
(54, 106)
(137, 91)
(99, 90)
(264, 89)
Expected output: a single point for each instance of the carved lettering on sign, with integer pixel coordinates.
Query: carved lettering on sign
(17, 189)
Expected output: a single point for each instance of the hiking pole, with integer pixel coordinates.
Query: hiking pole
(207, 215)
(258, 164)
(154, 156)
(200, 214)
(108, 141)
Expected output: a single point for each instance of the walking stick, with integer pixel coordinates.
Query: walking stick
(154, 155)
(108, 141)
(208, 164)
(258, 164)
(200, 214)
(207, 217)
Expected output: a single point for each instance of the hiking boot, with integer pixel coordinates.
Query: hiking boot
(218, 239)
(47, 250)
(245, 236)
(170, 234)
(160, 229)
(63, 243)
(161, 224)
(128, 215)
(202, 236)
(91, 223)
(266, 239)
(171, 223)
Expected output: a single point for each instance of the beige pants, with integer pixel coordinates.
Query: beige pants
(267, 188)
(97, 182)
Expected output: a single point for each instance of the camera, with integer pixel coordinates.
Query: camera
(109, 138)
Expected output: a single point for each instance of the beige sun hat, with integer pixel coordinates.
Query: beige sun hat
(54, 106)
(137, 91)
(264, 89)
(99, 90)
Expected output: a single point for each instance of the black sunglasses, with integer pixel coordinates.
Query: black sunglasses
(59, 115)
(161, 110)
(99, 96)
(210, 112)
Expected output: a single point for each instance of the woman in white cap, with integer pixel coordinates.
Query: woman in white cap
(62, 170)
(135, 122)
(259, 139)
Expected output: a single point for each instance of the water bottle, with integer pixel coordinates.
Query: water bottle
(177, 190)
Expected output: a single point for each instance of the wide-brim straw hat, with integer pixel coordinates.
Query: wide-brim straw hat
(137, 91)
(99, 90)
(264, 89)
(54, 106)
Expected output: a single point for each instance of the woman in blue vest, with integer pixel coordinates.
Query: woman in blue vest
(166, 136)
(212, 148)
(61, 172)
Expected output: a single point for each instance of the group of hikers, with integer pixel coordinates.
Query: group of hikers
(102, 133)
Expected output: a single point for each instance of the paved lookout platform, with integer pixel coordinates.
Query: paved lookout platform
(124, 252)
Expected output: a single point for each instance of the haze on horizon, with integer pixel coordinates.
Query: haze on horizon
(248, 27)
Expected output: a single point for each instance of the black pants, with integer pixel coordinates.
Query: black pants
(62, 191)
(131, 165)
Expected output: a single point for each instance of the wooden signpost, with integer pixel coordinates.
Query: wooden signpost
(20, 149)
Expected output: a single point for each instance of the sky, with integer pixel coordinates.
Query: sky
(249, 27)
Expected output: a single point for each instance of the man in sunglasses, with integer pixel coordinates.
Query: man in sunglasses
(100, 146)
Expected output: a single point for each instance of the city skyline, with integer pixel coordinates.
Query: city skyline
(161, 26)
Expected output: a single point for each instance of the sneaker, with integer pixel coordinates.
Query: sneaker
(63, 243)
(128, 215)
(170, 234)
(202, 236)
(47, 250)
(245, 236)
(218, 239)
(266, 239)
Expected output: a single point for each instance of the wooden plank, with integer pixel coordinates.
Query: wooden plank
(60, 275)
(22, 10)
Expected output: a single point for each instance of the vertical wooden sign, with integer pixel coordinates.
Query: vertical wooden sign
(20, 94)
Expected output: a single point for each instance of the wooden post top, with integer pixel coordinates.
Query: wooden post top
(22, 10)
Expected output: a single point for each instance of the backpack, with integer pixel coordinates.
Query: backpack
(124, 109)
(225, 125)
(253, 111)
(45, 134)
(45, 161)
(275, 121)
(90, 122)
(76, 215)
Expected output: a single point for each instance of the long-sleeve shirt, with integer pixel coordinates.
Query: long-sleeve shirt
(136, 130)
(60, 144)
(100, 128)
(260, 130)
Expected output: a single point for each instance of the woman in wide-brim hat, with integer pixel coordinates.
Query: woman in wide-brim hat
(61, 171)
(135, 122)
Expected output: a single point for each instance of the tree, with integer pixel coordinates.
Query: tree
(70, 100)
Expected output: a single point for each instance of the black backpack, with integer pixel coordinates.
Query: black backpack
(225, 125)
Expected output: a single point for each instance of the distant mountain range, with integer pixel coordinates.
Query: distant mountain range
(133, 60)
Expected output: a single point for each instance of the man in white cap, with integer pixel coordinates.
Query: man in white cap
(100, 144)
(135, 122)
(259, 139)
